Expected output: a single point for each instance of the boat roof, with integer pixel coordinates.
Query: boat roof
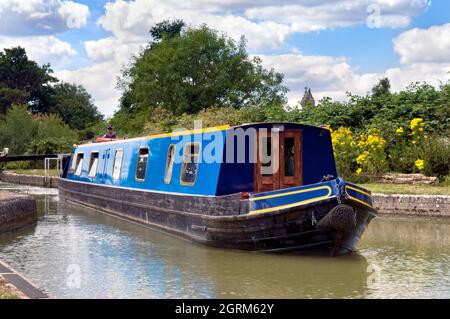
(203, 130)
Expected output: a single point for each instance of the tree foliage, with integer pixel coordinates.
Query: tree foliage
(382, 87)
(386, 111)
(195, 70)
(19, 130)
(23, 81)
(74, 105)
(167, 28)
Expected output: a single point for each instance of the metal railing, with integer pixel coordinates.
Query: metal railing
(59, 165)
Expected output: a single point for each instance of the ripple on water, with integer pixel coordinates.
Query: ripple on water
(398, 258)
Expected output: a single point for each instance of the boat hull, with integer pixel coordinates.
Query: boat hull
(224, 221)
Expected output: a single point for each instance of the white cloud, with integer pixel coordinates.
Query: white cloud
(99, 80)
(430, 45)
(307, 16)
(40, 17)
(327, 76)
(43, 49)
(267, 24)
(131, 22)
(331, 76)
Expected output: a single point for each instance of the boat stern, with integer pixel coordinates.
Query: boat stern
(338, 209)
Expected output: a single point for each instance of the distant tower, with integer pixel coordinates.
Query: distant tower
(307, 99)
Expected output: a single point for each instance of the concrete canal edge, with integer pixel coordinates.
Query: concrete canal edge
(33, 180)
(412, 205)
(21, 286)
(17, 211)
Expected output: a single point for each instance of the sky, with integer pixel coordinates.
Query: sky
(330, 46)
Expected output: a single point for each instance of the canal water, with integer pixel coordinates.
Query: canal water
(74, 252)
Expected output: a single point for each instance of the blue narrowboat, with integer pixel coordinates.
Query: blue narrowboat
(264, 186)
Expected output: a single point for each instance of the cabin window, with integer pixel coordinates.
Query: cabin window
(266, 165)
(289, 156)
(93, 163)
(189, 168)
(118, 165)
(73, 163)
(169, 164)
(79, 164)
(142, 164)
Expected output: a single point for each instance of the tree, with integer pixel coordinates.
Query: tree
(23, 81)
(196, 70)
(383, 87)
(167, 29)
(75, 106)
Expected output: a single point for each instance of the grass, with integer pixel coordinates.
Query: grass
(39, 172)
(6, 292)
(406, 189)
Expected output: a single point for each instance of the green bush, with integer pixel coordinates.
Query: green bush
(22, 132)
(50, 145)
(436, 154)
(17, 165)
(17, 129)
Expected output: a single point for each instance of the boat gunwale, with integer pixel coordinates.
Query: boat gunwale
(235, 217)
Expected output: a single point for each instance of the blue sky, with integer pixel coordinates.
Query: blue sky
(329, 45)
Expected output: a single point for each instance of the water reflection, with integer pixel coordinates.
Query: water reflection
(412, 256)
(398, 258)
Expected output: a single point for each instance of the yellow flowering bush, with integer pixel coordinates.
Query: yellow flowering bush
(420, 164)
(345, 151)
(372, 158)
(416, 124)
(365, 153)
(404, 148)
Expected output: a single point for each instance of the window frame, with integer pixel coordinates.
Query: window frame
(90, 167)
(137, 162)
(76, 162)
(184, 164)
(169, 180)
(114, 164)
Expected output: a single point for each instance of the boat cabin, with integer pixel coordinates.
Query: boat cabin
(213, 161)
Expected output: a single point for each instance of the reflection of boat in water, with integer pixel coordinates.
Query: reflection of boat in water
(267, 187)
(121, 259)
(169, 268)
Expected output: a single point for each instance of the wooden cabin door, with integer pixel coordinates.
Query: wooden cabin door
(278, 161)
(290, 159)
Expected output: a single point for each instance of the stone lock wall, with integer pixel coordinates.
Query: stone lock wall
(34, 180)
(16, 211)
(417, 205)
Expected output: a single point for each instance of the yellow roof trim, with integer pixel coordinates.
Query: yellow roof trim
(188, 132)
(162, 135)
